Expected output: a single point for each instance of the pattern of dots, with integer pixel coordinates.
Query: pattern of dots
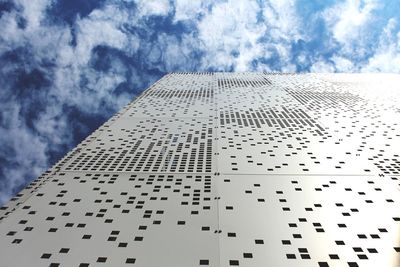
(224, 169)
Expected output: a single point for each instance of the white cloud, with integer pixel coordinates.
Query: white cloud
(234, 26)
(153, 7)
(387, 56)
(33, 12)
(283, 20)
(352, 24)
(322, 66)
(388, 61)
(231, 26)
(349, 21)
(188, 10)
(28, 151)
(96, 30)
(342, 64)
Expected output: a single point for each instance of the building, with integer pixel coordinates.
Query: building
(224, 169)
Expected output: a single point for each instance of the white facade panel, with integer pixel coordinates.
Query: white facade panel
(224, 169)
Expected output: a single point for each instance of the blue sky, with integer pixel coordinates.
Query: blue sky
(68, 65)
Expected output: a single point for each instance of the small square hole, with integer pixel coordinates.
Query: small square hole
(130, 260)
(45, 256)
(138, 238)
(247, 255)
(234, 263)
(64, 250)
(333, 256)
(204, 262)
(101, 259)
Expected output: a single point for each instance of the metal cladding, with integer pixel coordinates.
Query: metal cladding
(224, 169)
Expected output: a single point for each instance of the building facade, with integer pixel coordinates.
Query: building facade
(224, 169)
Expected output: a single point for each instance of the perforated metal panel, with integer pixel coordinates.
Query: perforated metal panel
(308, 221)
(150, 145)
(224, 169)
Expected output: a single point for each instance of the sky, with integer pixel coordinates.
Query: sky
(66, 66)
